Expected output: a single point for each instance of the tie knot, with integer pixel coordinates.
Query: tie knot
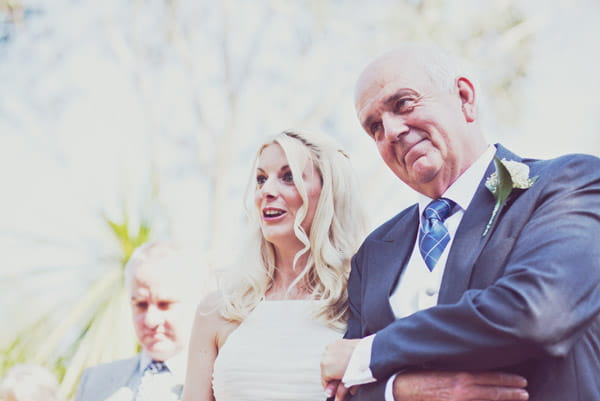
(439, 209)
(156, 367)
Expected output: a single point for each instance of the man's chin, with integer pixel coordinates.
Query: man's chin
(161, 350)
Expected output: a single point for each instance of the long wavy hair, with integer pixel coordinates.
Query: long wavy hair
(337, 229)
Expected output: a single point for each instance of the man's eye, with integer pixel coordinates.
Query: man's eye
(403, 105)
(261, 179)
(374, 128)
(141, 306)
(164, 305)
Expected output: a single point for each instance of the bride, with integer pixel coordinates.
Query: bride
(262, 336)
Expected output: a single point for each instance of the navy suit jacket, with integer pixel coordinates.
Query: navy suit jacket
(525, 298)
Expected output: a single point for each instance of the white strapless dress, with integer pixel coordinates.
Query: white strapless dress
(274, 355)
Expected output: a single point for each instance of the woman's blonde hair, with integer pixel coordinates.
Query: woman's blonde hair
(335, 234)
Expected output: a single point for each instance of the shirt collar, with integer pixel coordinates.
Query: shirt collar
(463, 189)
(176, 364)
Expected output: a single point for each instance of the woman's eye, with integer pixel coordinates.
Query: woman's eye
(261, 179)
(288, 177)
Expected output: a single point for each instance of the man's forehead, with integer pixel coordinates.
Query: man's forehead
(384, 77)
(162, 273)
(381, 96)
(157, 291)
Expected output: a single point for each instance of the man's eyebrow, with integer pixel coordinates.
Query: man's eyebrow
(390, 100)
(394, 97)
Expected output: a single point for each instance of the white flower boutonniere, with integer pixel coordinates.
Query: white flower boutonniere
(509, 175)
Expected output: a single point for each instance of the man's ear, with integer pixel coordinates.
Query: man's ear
(466, 91)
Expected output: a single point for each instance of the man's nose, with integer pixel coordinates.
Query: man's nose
(154, 317)
(393, 126)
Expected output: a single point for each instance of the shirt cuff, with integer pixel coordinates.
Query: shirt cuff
(389, 388)
(358, 370)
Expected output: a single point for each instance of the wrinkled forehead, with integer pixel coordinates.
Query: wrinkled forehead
(385, 76)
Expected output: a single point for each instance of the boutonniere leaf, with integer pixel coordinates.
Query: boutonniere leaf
(509, 175)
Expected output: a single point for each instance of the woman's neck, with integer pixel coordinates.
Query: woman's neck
(286, 274)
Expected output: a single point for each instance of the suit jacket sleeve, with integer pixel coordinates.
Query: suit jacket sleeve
(546, 294)
(372, 391)
(81, 386)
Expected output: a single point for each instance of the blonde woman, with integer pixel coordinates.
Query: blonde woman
(262, 337)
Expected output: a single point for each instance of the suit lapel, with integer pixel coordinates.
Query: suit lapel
(388, 258)
(469, 242)
(129, 376)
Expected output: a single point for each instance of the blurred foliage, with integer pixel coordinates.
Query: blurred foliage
(73, 337)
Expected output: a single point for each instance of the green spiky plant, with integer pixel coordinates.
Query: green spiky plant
(94, 330)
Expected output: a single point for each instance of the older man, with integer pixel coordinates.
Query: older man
(496, 267)
(160, 280)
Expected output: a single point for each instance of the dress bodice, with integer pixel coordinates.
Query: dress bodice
(274, 355)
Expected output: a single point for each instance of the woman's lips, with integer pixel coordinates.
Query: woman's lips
(272, 213)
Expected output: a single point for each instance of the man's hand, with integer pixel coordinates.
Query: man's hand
(335, 390)
(334, 363)
(459, 386)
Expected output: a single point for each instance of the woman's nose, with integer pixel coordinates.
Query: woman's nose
(269, 188)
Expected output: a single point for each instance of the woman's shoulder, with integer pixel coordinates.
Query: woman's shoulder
(209, 313)
(210, 309)
(211, 302)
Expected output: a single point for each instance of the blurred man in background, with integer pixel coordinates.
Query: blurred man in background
(160, 281)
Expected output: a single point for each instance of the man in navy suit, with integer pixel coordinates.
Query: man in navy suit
(514, 280)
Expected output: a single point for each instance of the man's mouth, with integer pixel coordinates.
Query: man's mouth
(409, 154)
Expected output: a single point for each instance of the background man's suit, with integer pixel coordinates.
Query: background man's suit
(525, 298)
(118, 381)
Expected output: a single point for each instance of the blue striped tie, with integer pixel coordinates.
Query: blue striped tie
(156, 367)
(433, 235)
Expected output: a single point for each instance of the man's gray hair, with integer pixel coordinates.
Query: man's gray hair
(441, 66)
(156, 251)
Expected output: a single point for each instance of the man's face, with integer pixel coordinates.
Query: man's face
(420, 130)
(160, 315)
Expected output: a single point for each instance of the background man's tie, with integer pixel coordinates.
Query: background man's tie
(145, 391)
(433, 235)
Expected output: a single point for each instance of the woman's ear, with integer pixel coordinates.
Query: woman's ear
(466, 91)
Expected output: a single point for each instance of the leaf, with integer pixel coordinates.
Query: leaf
(505, 183)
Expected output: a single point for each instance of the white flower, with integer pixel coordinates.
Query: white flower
(519, 173)
(515, 175)
(492, 182)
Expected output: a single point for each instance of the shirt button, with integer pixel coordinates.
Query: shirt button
(430, 292)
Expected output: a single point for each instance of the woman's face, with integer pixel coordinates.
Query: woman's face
(277, 199)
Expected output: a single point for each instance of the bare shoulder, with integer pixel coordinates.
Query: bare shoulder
(209, 317)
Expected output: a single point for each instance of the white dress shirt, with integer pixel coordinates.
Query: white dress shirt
(160, 386)
(418, 288)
